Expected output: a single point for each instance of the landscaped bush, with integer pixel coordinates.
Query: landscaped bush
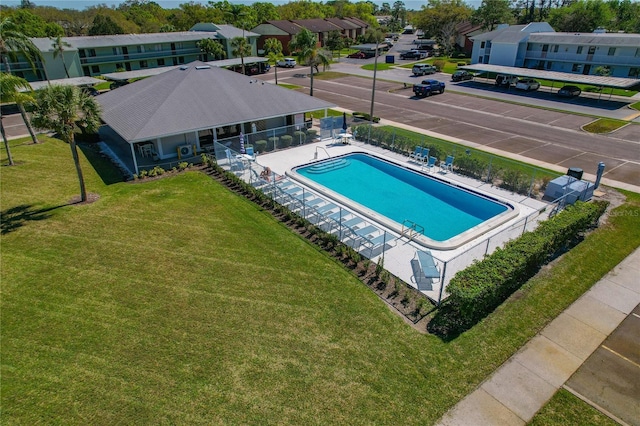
(311, 134)
(299, 137)
(483, 286)
(516, 181)
(261, 145)
(471, 166)
(439, 64)
(272, 143)
(285, 141)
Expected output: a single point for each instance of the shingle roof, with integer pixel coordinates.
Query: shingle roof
(83, 42)
(317, 25)
(343, 23)
(197, 97)
(286, 26)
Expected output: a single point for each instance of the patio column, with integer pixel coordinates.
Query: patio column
(197, 139)
(135, 161)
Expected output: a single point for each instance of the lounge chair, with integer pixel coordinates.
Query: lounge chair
(428, 266)
(416, 153)
(448, 164)
(431, 163)
(250, 155)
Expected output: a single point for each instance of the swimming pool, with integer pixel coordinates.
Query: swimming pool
(393, 196)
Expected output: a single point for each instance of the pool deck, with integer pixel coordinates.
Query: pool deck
(399, 258)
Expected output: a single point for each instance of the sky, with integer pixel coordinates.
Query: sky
(173, 4)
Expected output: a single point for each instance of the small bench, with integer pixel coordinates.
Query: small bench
(427, 264)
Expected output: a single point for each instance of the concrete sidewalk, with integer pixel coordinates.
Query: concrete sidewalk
(523, 385)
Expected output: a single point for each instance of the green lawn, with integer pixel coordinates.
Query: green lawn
(176, 301)
(565, 409)
(604, 125)
(382, 66)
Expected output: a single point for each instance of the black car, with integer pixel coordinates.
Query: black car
(461, 75)
(569, 91)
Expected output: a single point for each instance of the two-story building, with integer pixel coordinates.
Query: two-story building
(538, 46)
(96, 55)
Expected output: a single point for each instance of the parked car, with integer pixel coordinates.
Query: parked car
(413, 54)
(569, 91)
(428, 88)
(506, 80)
(287, 63)
(357, 55)
(423, 69)
(527, 84)
(461, 75)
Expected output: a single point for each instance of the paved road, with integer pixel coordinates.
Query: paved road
(548, 136)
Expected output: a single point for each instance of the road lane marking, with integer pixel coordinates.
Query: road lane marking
(621, 356)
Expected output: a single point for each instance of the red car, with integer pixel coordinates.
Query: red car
(357, 55)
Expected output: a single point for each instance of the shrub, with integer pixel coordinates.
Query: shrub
(285, 141)
(261, 145)
(311, 134)
(439, 64)
(483, 286)
(470, 166)
(183, 165)
(299, 137)
(516, 181)
(273, 143)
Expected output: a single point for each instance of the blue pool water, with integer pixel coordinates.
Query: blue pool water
(443, 210)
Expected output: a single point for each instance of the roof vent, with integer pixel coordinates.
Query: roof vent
(203, 67)
(184, 67)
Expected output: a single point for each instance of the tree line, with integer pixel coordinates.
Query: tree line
(146, 16)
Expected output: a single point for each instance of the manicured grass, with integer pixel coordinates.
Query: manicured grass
(450, 65)
(382, 66)
(635, 106)
(330, 112)
(329, 75)
(565, 409)
(457, 150)
(604, 125)
(289, 86)
(175, 301)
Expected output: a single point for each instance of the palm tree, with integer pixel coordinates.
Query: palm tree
(10, 86)
(241, 48)
(12, 43)
(59, 46)
(273, 50)
(211, 47)
(305, 44)
(65, 110)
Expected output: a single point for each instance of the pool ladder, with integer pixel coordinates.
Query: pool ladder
(411, 229)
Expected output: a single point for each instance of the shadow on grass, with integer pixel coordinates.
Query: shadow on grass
(16, 217)
(107, 171)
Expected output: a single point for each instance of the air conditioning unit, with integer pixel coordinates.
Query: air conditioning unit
(185, 151)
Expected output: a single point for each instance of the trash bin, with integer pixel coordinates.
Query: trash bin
(575, 172)
(390, 59)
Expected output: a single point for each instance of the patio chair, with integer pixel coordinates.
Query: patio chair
(448, 164)
(424, 156)
(249, 153)
(417, 152)
(431, 163)
(428, 268)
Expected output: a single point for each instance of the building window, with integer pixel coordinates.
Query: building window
(95, 69)
(161, 62)
(555, 48)
(480, 59)
(482, 45)
(638, 52)
(82, 53)
(529, 46)
(545, 47)
(579, 51)
(117, 51)
(549, 64)
(592, 50)
(576, 68)
(140, 49)
(612, 51)
(181, 59)
(85, 71)
(92, 52)
(143, 64)
(158, 47)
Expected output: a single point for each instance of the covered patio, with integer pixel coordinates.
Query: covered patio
(176, 115)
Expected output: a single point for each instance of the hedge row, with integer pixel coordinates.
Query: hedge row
(480, 288)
